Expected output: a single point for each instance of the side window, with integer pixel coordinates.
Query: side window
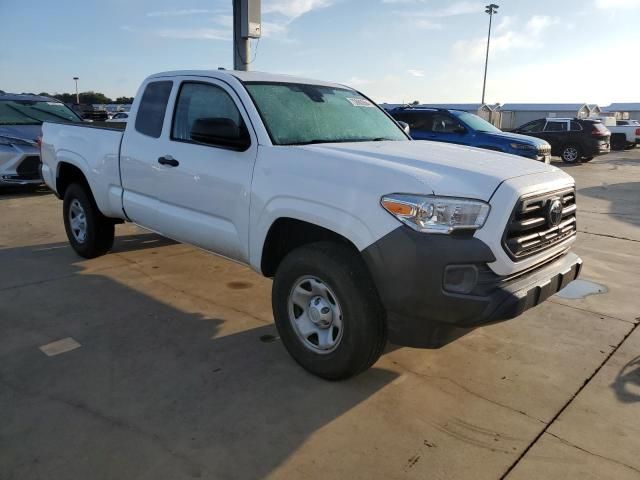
(444, 123)
(205, 102)
(532, 127)
(575, 126)
(152, 108)
(420, 121)
(402, 117)
(556, 127)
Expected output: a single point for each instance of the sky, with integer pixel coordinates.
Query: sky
(392, 50)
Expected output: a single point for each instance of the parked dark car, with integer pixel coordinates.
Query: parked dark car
(89, 112)
(21, 118)
(464, 128)
(572, 139)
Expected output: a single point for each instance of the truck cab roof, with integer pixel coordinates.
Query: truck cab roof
(246, 77)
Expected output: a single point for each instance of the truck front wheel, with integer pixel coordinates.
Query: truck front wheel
(327, 310)
(90, 233)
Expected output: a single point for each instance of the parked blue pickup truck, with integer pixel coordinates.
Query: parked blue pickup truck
(463, 128)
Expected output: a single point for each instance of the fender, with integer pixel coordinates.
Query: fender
(323, 215)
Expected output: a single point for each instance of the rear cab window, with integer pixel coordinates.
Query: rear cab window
(153, 105)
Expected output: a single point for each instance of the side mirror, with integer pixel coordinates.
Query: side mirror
(460, 129)
(222, 132)
(405, 127)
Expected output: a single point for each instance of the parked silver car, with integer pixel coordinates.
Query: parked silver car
(21, 117)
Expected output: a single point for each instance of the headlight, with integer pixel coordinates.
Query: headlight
(427, 213)
(523, 146)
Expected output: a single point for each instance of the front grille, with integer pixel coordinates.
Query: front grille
(29, 167)
(532, 228)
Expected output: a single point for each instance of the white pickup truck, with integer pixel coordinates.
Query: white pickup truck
(367, 234)
(625, 134)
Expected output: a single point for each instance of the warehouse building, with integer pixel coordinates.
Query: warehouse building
(624, 111)
(515, 114)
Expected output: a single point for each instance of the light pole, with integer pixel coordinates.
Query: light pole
(491, 9)
(77, 95)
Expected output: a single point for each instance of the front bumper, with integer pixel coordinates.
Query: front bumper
(19, 165)
(408, 270)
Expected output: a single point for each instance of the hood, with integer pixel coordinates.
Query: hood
(516, 137)
(23, 132)
(442, 168)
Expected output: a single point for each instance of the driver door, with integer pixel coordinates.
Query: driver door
(203, 190)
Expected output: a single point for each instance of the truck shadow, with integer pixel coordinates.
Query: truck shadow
(154, 391)
(627, 382)
(624, 200)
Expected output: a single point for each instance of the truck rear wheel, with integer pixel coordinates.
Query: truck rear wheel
(89, 232)
(327, 310)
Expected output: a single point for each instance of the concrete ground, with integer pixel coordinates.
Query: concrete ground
(159, 361)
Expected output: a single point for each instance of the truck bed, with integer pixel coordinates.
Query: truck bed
(95, 149)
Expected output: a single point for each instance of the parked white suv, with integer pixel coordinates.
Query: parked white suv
(368, 235)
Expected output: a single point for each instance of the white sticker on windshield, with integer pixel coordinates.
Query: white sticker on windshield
(55, 104)
(360, 102)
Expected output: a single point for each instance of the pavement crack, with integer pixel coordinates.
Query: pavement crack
(555, 302)
(567, 442)
(568, 402)
(468, 390)
(610, 236)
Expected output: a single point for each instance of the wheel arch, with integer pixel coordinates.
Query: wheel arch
(286, 234)
(68, 173)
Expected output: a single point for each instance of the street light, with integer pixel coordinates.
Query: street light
(77, 95)
(491, 9)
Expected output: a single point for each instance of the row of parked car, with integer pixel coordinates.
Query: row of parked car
(573, 139)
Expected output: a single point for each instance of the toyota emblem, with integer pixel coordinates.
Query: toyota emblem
(554, 215)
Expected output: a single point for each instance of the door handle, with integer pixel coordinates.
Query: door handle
(169, 161)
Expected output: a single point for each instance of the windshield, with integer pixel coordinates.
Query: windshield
(300, 114)
(476, 123)
(30, 112)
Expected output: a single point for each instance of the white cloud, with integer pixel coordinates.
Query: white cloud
(415, 73)
(179, 13)
(519, 36)
(293, 9)
(617, 4)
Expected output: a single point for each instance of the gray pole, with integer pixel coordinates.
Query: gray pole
(491, 9)
(77, 94)
(241, 47)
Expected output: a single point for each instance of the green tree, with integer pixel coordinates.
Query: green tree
(124, 100)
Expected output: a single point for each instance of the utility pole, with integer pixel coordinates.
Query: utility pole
(491, 9)
(246, 25)
(77, 94)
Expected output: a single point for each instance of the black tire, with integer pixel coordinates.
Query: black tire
(618, 141)
(364, 333)
(571, 153)
(99, 230)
